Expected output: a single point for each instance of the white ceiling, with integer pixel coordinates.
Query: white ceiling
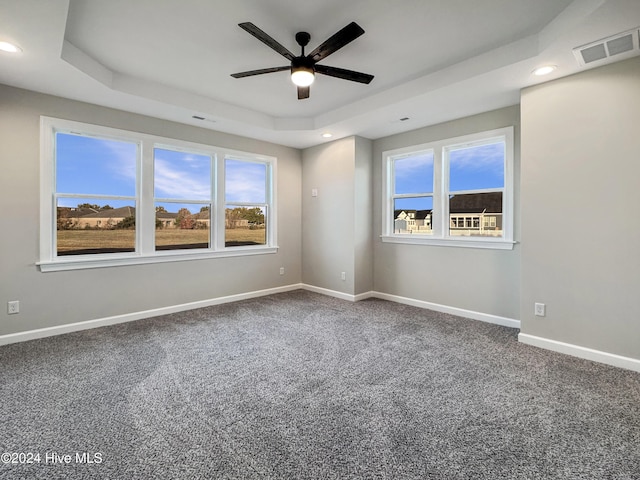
(433, 60)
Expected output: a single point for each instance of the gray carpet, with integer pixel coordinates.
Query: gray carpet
(299, 385)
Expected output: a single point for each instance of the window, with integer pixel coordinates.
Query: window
(245, 203)
(114, 197)
(412, 195)
(457, 192)
(183, 199)
(95, 195)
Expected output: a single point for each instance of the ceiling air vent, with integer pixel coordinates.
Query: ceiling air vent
(611, 49)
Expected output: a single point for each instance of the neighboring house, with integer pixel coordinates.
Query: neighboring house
(202, 218)
(109, 218)
(471, 214)
(412, 221)
(476, 214)
(236, 223)
(69, 217)
(166, 219)
(106, 218)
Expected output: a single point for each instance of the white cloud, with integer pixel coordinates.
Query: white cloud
(486, 158)
(173, 182)
(245, 182)
(409, 167)
(121, 158)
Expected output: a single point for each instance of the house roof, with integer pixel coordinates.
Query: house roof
(121, 212)
(166, 215)
(419, 214)
(476, 203)
(72, 212)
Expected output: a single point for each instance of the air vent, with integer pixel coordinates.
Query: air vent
(200, 117)
(610, 49)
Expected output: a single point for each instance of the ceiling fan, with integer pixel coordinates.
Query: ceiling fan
(304, 67)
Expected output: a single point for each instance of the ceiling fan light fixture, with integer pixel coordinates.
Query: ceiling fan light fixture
(302, 77)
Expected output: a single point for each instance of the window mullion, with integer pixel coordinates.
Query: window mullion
(439, 184)
(220, 203)
(387, 217)
(146, 220)
(214, 212)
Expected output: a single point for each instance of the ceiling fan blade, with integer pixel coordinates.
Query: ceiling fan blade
(251, 73)
(266, 39)
(344, 74)
(337, 41)
(303, 92)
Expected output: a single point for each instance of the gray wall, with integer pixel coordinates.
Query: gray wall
(55, 298)
(336, 232)
(580, 199)
(485, 281)
(363, 221)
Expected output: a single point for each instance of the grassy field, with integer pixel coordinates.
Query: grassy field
(72, 242)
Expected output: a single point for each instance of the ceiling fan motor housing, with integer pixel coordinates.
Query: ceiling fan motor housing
(302, 64)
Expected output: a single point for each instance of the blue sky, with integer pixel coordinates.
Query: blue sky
(87, 165)
(94, 166)
(470, 168)
(476, 167)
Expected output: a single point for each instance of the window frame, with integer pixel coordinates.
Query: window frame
(441, 220)
(145, 251)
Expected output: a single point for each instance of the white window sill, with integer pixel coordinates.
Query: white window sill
(114, 260)
(467, 242)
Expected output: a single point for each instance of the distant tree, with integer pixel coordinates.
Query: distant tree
(185, 220)
(92, 206)
(232, 215)
(204, 209)
(160, 208)
(252, 215)
(126, 223)
(64, 222)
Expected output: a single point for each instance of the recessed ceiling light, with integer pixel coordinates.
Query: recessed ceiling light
(9, 47)
(327, 135)
(544, 70)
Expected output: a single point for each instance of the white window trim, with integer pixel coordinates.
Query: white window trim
(440, 218)
(145, 206)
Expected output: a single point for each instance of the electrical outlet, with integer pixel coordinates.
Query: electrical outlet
(343, 275)
(281, 270)
(540, 309)
(13, 307)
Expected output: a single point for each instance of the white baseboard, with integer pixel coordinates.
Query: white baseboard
(461, 312)
(129, 317)
(483, 317)
(581, 352)
(335, 293)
